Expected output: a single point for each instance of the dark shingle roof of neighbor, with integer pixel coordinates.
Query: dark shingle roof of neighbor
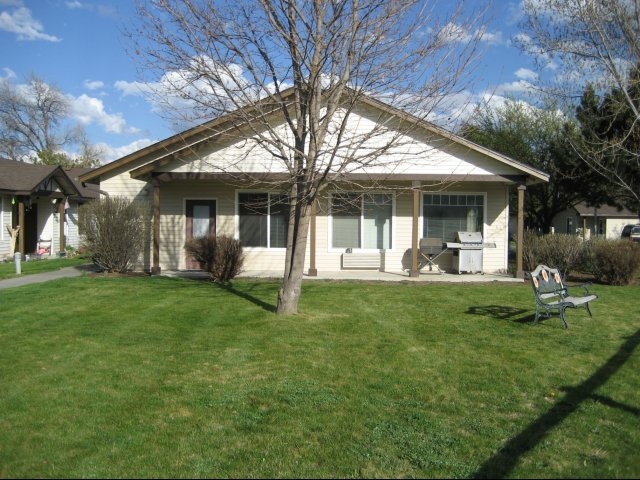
(21, 178)
(604, 211)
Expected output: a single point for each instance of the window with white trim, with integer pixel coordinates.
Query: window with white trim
(263, 219)
(361, 220)
(445, 214)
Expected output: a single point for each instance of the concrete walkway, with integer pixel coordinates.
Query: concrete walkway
(65, 272)
(366, 275)
(361, 275)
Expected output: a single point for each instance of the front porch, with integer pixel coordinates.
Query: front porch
(365, 275)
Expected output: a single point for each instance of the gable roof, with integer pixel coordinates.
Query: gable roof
(604, 211)
(162, 152)
(21, 178)
(87, 190)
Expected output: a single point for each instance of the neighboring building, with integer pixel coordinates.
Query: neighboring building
(193, 184)
(580, 220)
(36, 198)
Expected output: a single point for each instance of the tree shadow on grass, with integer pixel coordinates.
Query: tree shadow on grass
(502, 463)
(247, 296)
(229, 288)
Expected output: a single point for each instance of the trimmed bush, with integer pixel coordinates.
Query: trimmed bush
(615, 262)
(113, 232)
(222, 257)
(202, 249)
(561, 251)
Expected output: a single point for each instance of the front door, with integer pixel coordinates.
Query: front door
(201, 221)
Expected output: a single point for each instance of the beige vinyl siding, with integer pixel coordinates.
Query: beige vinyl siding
(71, 230)
(422, 152)
(495, 260)
(172, 225)
(496, 217)
(173, 197)
(124, 186)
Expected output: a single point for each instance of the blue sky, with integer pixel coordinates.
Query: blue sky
(78, 46)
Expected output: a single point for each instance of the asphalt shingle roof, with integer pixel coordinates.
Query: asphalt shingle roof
(21, 178)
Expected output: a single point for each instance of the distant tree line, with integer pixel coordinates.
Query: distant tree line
(587, 137)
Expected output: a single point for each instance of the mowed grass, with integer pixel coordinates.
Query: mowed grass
(8, 269)
(164, 377)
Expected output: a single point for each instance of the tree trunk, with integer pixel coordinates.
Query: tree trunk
(289, 292)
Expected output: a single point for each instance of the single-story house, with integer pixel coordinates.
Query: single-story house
(580, 220)
(39, 208)
(432, 184)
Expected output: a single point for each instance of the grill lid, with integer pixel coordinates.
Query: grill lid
(469, 237)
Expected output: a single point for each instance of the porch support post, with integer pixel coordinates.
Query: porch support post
(61, 215)
(520, 233)
(155, 268)
(313, 271)
(21, 244)
(414, 272)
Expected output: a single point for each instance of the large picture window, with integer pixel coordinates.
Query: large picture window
(361, 220)
(446, 214)
(264, 219)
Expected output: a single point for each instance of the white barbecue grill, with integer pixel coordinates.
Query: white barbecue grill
(467, 251)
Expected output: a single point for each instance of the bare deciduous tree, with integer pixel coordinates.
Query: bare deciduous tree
(30, 117)
(596, 43)
(308, 62)
(34, 125)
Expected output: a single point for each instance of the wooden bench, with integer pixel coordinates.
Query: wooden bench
(552, 296)
(361, 260)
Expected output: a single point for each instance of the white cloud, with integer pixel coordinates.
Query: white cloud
(526, 74)
(529, 47)
(492, 38)
(514, 13)
(74, 4)
(184, 92)
(88, 110)
(452, 33)
(93, 84)
(512, 88)
(113, 153)
(20, 22)
(132, 88)
(8, 74)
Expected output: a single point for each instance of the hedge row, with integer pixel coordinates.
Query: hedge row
(614, 262)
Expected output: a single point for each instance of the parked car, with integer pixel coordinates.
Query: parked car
(626, 231)
(635, 234)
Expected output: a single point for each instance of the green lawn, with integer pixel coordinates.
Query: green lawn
(165, 377)
(8, 269)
